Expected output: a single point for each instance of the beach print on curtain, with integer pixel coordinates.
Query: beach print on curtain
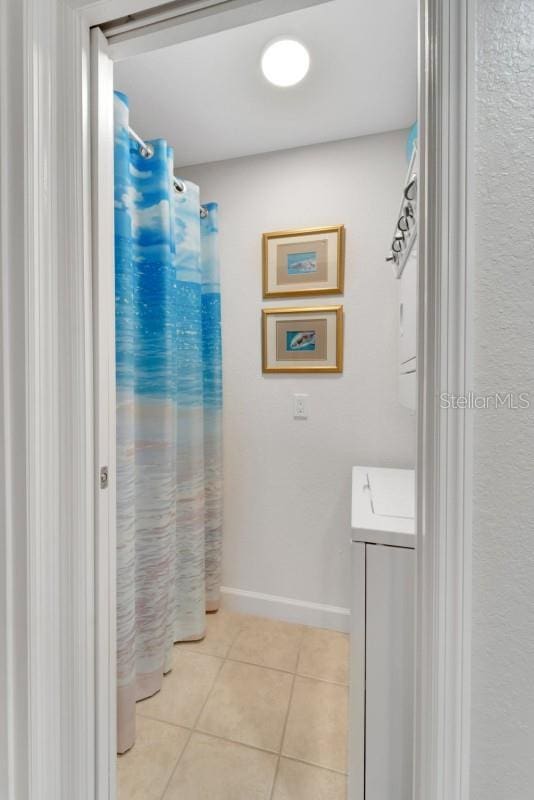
(168, 349)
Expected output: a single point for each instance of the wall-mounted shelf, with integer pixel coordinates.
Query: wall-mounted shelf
(405, 229)
(403, 258)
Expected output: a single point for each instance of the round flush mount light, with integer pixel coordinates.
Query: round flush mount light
(285, 62)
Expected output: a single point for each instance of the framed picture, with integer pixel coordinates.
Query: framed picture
(304, 262)
(302, 339)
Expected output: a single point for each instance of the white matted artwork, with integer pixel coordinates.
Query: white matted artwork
(309, 261)
(302, 339)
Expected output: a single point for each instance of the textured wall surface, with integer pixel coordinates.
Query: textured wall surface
(287, 482)
(503, 558)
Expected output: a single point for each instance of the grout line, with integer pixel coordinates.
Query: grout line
(208, 695)
(194, 727)
(300, 651)
(262, 666)
(275, 776)
(173, 770)
(162, 722)
(286, 717)
(192, 730)
(236, 741)
(315, 764)
(322, 680)
(283, 736)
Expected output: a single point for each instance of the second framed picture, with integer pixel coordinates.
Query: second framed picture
(302, 339)
(309, 261)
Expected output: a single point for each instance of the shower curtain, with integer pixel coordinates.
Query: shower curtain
(168, 350)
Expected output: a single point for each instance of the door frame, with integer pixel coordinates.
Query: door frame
(56, 524)
(444, 465)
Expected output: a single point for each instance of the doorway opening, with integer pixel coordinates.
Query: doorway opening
(315, 183)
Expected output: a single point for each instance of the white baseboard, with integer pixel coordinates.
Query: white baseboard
(285, 608)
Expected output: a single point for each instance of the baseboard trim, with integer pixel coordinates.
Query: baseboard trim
(286, 608)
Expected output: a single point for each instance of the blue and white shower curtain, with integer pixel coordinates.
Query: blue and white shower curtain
(168, 340)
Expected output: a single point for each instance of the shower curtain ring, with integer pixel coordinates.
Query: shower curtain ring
(146, 150)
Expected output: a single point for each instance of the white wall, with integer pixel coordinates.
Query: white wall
(503, 540)
(287, 482)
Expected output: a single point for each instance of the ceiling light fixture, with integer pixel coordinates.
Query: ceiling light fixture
(285, 62)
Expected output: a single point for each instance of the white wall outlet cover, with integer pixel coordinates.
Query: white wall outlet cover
(300, 406)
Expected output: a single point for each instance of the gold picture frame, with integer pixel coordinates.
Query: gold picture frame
(317, 333)
(303, 262)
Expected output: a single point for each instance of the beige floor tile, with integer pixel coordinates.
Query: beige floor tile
(221, 630)
(324, 655)
(143, 772)
(248, 704)
(212, 769)
(296, 781)
(317, 724)
(268, 643)
(184, 689)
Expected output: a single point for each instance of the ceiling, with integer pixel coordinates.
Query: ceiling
(209, 99)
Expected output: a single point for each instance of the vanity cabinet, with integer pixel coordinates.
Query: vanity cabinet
(381, 708)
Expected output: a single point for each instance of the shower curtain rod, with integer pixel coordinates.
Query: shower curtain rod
(146, 151)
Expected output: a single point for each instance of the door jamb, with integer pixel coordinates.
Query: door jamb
(105, 413)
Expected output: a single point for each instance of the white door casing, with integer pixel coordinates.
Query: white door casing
(47, 624)
(56, 607)
(444, 448)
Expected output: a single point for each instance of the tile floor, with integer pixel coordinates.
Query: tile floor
(256, 711)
